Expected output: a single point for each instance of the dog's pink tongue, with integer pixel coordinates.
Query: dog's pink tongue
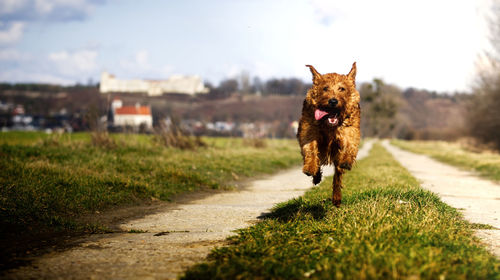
(318, 114)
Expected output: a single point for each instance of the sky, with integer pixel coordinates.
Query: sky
(427, 44)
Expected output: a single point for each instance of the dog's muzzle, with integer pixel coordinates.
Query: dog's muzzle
(333, 118)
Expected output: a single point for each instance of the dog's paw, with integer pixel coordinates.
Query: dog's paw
(336, 202)
(346, 165)
(317, 177)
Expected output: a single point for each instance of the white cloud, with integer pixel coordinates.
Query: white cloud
(13, 55)
(10, 32)
(64, 9)
(62, 67)
(16, 14)
(165, 71)
(21, 76)
(142, 59)
(265, 70)
(137, 63)
(233, 70)
(51, 10)
(141, 66)
(10, 6)
(328, 11)
(78, 64)
(260, 68)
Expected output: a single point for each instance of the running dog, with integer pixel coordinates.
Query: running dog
(329, 128)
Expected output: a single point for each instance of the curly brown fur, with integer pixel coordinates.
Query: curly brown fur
(329, 128)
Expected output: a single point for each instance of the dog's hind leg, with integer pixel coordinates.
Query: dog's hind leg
(337, 186)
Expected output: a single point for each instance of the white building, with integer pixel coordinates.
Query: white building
(175, 84)
(131, 115)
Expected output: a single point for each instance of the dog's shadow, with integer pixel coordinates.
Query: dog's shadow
(297, 209)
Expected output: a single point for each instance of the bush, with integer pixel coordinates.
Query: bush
(174, 136)
(102, 140)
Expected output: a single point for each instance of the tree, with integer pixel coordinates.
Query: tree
(291, 86)
(244, 82)
(225, 88)
(257, 86)
(379, 107)
(483, 114)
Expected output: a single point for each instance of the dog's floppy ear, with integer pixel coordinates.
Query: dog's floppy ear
(316, 74)
(352, 73)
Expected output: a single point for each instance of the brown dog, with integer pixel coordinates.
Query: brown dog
(329, 129)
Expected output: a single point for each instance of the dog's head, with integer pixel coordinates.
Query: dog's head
(332, 95)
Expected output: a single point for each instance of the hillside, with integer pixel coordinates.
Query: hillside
(386, 110)
(432, 116)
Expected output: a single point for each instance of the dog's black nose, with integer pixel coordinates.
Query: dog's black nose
(333, 102)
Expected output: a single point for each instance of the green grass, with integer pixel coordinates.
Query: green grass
(487, 164)
(52, 180)
(387, 228)
(31, 137)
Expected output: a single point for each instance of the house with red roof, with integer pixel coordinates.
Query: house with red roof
(133, 116)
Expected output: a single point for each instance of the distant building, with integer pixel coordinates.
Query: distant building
(133, 116)
(175, 84)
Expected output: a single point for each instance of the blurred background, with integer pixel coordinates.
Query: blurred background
(426, 69)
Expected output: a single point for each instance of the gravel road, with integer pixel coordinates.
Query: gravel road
(167, 243)
(478, 199)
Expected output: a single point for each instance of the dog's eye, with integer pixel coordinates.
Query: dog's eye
(341, 89)
(325, 89)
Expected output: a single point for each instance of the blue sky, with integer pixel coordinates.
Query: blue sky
(432, 44)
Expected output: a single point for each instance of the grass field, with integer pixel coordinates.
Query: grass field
(487, 164)
(387, 228)
(52, 180)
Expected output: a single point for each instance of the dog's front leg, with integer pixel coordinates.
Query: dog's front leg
(311, 161)
(348, 147)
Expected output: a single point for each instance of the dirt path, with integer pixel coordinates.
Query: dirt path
(169, 242)
(478, 199)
